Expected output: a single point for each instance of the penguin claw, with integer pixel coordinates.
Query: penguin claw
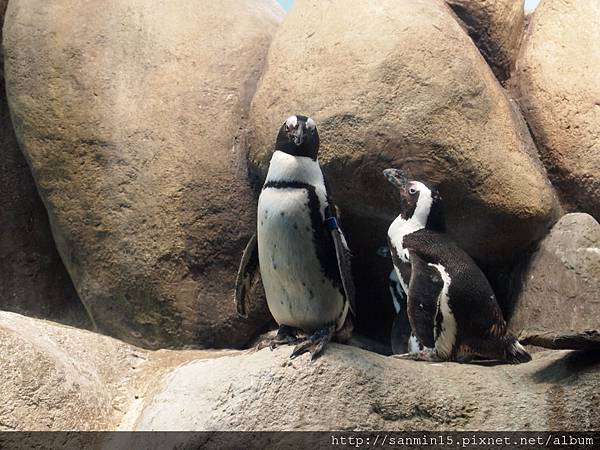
(285, 336)
(430, 356)
(315, 344)
(286, 340)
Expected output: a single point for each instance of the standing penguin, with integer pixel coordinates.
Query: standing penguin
(301, 251)
(451, 305)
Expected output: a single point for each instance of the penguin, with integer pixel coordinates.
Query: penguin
(451, 305)
(299, 247)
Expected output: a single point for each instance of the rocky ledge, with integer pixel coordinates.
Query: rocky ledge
(59, 378)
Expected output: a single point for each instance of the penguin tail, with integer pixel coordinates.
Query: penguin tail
(515, 352)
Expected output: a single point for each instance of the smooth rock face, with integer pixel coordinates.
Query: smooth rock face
(496, 27)
(132, 115)
(558, 86)
(399, 84)
(561, 283)
(365, 391)
(33, 279)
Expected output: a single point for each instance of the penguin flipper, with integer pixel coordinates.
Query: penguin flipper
(343, 255)
(424, 289)
(246, 273)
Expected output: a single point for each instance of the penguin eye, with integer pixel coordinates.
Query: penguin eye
(412, 191)
(286, 128)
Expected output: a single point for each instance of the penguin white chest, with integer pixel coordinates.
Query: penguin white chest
(298, 292)
(396, 233)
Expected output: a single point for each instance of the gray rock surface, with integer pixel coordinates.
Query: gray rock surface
(352, 389)
(557, 83)
(561, 283)
(131, 115)
(55, 377)
(496, 27)
(59, 378)
(33, 279)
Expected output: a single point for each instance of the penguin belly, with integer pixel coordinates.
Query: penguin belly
(298, 293)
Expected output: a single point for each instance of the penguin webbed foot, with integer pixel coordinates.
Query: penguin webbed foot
(285, 336)
(315, 344)
(424, 355)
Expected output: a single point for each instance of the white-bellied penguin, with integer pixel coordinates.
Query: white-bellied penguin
(451, 305)
(303, 256)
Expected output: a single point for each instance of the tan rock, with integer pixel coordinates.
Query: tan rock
(360, 390)
(57, 378)
(496, 27)
(32, 276)
(60, 378)
(558, 86)
(399, 84)
(131, 115)
(561, 282)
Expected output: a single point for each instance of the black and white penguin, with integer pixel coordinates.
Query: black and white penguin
(451, 305)
(301, 251)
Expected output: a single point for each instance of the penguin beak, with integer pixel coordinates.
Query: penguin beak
(298, 135)
(396, 177)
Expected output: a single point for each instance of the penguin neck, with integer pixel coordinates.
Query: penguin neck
(415, 222)
(289, 168)
(402, 227)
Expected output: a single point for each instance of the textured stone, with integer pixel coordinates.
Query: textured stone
(558, 86)
(360, 390)
(399, 84)
(33, 279)
(496, 27)
(57, 378)
(60, 378)
(561, 282)
(131, 115)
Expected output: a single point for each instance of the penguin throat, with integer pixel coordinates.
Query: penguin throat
(404, 226)
(421, 212)
(289, 168)
(400, 228)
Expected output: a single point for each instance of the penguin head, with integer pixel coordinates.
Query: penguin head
(298, 136)
(420, 201)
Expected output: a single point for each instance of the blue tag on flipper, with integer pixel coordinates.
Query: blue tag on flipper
(331, 223)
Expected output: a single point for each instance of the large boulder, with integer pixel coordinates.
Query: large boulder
(33, 279)
(399, 84)
(131, 115)
(561, 281)
(558, 86)
(496, 27)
